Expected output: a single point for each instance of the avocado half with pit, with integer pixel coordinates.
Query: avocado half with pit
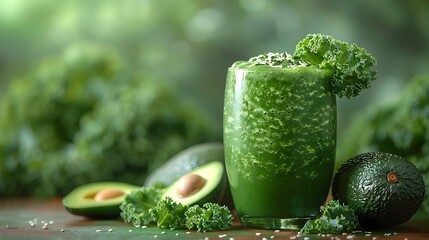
(205, 184)
(97, 200)
(185, 162)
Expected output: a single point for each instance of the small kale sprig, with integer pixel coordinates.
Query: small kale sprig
(336, 218)
(137, 203)
(169, 214)
(352, 66)
(144, 206)
(208, 218)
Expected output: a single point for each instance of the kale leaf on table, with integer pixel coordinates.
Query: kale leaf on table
(169, 214)
(336, 218)
(145, 205)
(209, 217)
(137, 203)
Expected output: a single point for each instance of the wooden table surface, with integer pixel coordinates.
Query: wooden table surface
(47, 219)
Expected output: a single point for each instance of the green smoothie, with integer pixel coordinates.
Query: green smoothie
(279, 135)
(280, 128)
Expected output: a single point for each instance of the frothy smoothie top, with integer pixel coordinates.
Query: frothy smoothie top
(352, 66)
(269, 60)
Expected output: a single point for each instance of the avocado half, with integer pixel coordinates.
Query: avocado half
(185, 162)
(97, 200)
(213, 190)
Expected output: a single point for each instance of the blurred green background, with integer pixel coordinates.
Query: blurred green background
(192, 43)
(188, 44)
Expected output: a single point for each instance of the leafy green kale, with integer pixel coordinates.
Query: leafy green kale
(137, 204)
(169, 214)
(351, 65)
(143, 206)
(336, 218)
(40, 114)
(399, 127)
(81, 117)
(209, 217)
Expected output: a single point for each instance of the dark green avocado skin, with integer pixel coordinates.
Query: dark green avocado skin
(361, 182)
(99, 212)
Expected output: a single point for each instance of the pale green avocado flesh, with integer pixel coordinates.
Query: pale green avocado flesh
(83, 200)
(212, 173)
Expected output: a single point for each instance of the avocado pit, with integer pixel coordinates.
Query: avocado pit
(105, 194)
(189, 185)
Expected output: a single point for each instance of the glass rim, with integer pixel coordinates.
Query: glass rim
(278, 69)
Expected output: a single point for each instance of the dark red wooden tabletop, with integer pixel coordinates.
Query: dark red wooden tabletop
(22, 218)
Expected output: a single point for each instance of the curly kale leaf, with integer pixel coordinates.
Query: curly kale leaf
(81, 117)
(352, 66)
(136, 206)
(40, 114)
(209, 217)
(169, 214)
(336, 218)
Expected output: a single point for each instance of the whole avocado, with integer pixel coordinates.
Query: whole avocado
(383, 189)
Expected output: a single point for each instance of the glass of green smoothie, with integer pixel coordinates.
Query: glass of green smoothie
(280, 128)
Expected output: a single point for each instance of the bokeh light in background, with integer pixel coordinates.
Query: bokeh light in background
(192, 43)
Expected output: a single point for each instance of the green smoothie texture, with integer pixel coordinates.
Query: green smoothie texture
(280, 138)
(280, 126)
